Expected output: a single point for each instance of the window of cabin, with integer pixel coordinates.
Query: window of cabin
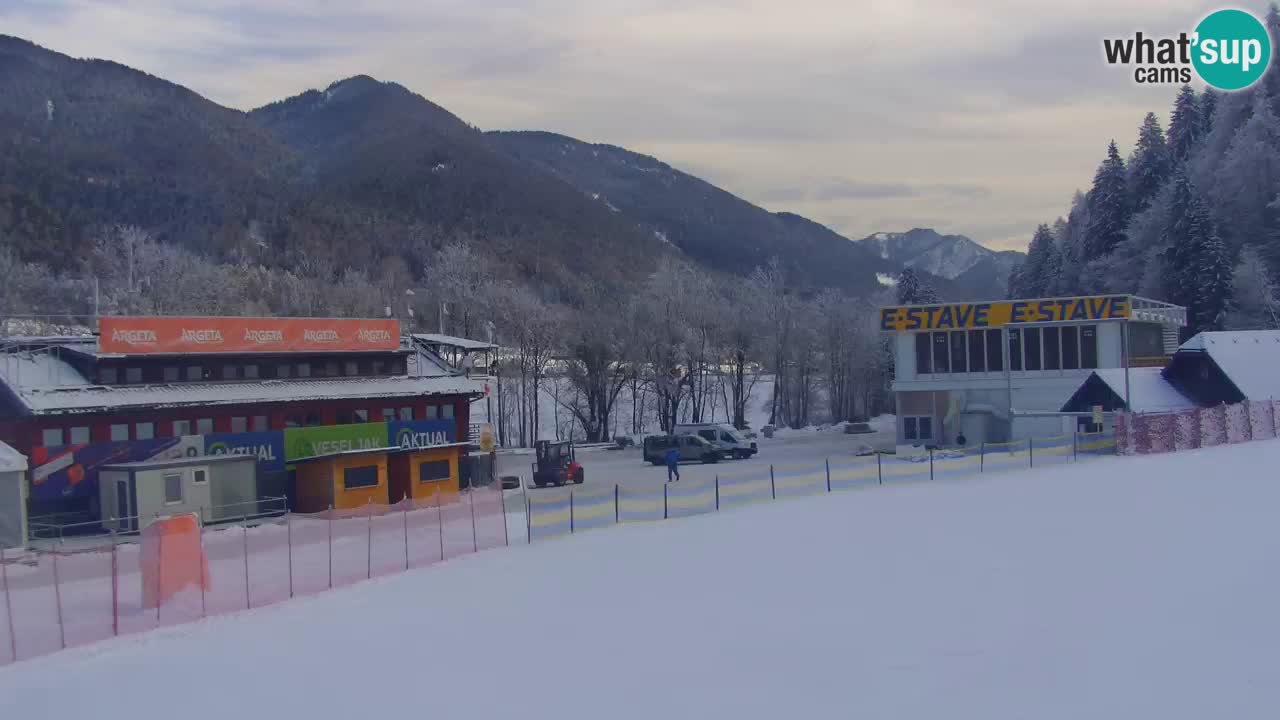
(361, 416)
(331, 368)
(924, 356)
(120, 433)
(79, 436)
(304, 370)
(172, 488)
(313, 418)
(172, 374)
(181, 427)
(446, 411)
(204, 426)
(1015, 350)
(397, 367)
(51, 437)
(108, 376)
(388, 414)
(144, 431)
(433, 412)
(195, 373)
(378, 367)
(239, 424)
(133, 375)
(261, 423)
(251, 372)
(352, 368)
(360, 477)
(434, 471)
(406, 413)
(230, 372)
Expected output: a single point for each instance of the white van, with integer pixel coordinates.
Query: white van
(729, 439)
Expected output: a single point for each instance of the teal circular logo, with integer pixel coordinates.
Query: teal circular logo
(1232, 49)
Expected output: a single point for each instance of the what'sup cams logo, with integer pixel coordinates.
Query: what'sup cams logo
(1229, 50)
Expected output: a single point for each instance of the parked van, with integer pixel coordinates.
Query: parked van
(691, 447)
(726, 437)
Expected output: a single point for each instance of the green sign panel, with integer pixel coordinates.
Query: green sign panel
(309, 442)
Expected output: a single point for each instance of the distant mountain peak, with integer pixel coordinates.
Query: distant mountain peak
(976, 268)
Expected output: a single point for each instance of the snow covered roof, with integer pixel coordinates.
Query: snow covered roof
(45, 383)
(1249, 358)
(1148, 390)
(38, 369)
(11, 460)
(451, 341)
(91, 398)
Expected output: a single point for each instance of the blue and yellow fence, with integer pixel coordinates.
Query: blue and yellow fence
(562, 511)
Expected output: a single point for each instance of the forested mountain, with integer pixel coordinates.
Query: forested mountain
(1192, 216)
(975, 271)
(712, 226)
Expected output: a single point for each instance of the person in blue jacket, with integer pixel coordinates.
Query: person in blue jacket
(673, 465)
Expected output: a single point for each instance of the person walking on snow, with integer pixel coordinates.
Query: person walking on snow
(673, 465)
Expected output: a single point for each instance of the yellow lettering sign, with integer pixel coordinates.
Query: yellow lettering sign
(962, 316)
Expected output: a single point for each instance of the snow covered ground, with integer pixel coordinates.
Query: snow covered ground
(1119, 588)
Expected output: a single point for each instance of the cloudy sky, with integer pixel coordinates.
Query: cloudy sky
(979, 117)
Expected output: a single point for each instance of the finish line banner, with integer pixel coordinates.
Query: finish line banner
(960, 316)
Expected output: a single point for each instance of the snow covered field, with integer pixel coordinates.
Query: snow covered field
(1119, 588)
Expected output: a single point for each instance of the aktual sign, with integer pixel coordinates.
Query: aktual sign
(961, 316)
(267, 447)
(422, 433)
(166, 335)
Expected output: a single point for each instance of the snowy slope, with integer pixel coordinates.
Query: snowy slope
(1122, 588)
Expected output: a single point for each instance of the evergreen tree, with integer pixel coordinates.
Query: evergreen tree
(1254, 304)
(1039, 273)
(1150, 165)
(1184, 125)
(1248, 178)
(1108, 206)
(1271, 79)
(914, 291)
(1072, 244)
(1197, 260)
(1208, 106)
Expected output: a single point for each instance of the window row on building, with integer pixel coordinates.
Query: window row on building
(1073, 347)
(125, 432)
(109, 375)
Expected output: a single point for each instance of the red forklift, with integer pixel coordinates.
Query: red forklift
(556, 464)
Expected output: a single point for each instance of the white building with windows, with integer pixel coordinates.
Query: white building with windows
(1001, 371)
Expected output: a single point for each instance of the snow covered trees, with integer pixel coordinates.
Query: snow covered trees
(1200, 272)
(914, 291)
(1109, 205)
(1150, 165)
(1039, 273)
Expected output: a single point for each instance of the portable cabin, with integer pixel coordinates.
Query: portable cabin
(343, 481)
(215, 487)
(13, 498)
(421, 473)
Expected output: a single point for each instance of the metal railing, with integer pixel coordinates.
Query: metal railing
(97, 530)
